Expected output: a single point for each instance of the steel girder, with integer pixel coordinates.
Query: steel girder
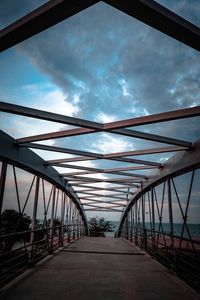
(26, 159)
(179, 164)
(147, 11)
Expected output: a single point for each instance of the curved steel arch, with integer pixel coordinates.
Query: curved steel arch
(178, 164)
(31, 162)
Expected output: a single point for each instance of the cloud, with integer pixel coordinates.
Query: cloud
(103, 65)
(51, 97)
(109, 144)
(105, 118)
(41, 97)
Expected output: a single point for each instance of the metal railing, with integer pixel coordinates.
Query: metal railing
(26, 254)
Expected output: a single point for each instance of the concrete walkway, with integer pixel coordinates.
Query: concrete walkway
(100, 269)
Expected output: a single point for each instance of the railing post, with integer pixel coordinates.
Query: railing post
(171, 224)
(2, 183)
(33, 223)
(131, 221)
(136, 223)
(144, 231)
(61, 235)
(153, 218)
(69, 219)
(51, 233)
(73, 221)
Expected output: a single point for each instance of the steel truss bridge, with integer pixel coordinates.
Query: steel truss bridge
(140, 197)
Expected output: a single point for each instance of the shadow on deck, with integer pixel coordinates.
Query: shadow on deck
(100, 269)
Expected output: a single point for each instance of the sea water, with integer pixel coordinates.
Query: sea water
(194, 229)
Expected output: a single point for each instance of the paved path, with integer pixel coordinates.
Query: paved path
(100, 269)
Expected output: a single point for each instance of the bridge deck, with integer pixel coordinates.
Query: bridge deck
(100, 269)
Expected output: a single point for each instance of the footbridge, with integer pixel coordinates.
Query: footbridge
(49, 190)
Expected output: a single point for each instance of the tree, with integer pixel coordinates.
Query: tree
(56, 224)
(98, 226)
(12, 221)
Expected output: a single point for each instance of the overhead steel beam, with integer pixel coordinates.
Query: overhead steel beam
(77, 182)
(177, 165)
(91, 188)
(134, 168)
(27, 160)
(94, 170)
(47, 116)
(72, 159)
(77, 167)
(147, 11)
(107, 188)
(122, 159)
(151, 137)
(103, 202)
(145, 151)
(82, 178)
(100, 196)
(133, 176)
(114, 127)
(45, 16)
(109, 171)
(125, 132)
(117, 192)
(59, 149)
(55, 135)
(162, 19)
(114, 204)
(91, 154)
(137, 161)
(156, 118)
(81, 173)
(102, 209)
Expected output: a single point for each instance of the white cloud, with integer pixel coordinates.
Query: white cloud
(124, 87)
(110, 144)
(105, 118)
(51, 98)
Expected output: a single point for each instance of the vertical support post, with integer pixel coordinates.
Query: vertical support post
(75, 224)
(61, 236)
(78, 224)
(31, 253)
(69, 219)
(2, 183)
(67, 216)
(136, 222)
(81, 226)
(153, 218)
(126, 228)
(51, 233)
(170, 208)
(170, 214)
(143, 208)
(144, 231)
(131, 223)
(73, 220)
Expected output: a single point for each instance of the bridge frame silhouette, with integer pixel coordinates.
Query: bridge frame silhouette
(141, 189)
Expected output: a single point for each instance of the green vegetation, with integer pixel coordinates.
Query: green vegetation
(98, 226)
(15, 228)
(12, 221)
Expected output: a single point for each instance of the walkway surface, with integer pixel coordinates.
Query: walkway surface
(100, 269)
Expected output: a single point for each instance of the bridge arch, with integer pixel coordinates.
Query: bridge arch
(178, 164)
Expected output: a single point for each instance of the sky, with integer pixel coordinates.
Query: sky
(100, 65)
